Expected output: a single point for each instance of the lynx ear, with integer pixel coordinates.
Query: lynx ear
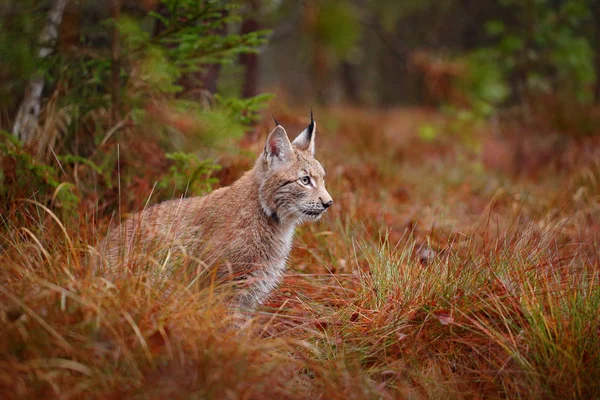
(306, 139)
(278, 147)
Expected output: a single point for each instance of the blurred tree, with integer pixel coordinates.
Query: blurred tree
(115, 77)
(333, 30)
(250, 60)
(537, 48)
(596, 18)
(189, 38)
(117, 72)
(211, 72)
(17, 38)
(26, 121)
(546, 49)
(543, 43)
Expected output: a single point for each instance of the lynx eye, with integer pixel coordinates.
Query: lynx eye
(305, 180)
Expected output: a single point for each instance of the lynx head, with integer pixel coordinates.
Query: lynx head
(292, 185)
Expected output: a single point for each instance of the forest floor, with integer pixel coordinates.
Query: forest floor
(455, 263)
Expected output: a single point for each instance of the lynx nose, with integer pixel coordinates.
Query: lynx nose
(328, 204)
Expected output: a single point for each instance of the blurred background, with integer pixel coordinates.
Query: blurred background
(94, 90)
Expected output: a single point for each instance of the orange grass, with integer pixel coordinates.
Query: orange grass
(430, 278)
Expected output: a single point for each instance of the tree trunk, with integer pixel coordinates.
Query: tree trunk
(29, 111)
(596, 19)
(212, 71)
(349, 82)
(196, 84)
(250, 60)
(392, 67)
(115, 77)
(320, 65)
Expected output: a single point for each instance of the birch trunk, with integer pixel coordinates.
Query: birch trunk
(29, 110)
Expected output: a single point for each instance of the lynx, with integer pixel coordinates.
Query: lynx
(243, 231)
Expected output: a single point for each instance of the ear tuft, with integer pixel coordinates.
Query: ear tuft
(306, 139)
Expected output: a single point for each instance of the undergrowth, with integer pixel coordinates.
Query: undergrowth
(413, 286)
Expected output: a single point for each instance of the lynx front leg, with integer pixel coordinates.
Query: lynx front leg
(257, 288)
(243, 305)
(249, 298)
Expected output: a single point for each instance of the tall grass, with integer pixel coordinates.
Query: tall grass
(504, 305)
(512, 317)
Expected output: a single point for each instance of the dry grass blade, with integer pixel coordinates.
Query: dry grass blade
(61, 340)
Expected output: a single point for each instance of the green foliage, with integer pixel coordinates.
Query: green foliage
(157, 73)
(485, 81)
(190, 38)
(25, 171)
(218, 125)
(228, 119)
(18, 34)
(338, 26)
(21, 174)
(244, 111)
(162, 58)
(486, 87)
(189, 175)
(428, 132)
(102, 170)
(192, 34)
(539, 49)
(545, 50)
(157, 50)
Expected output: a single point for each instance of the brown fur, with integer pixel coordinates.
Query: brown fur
(243, 231)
